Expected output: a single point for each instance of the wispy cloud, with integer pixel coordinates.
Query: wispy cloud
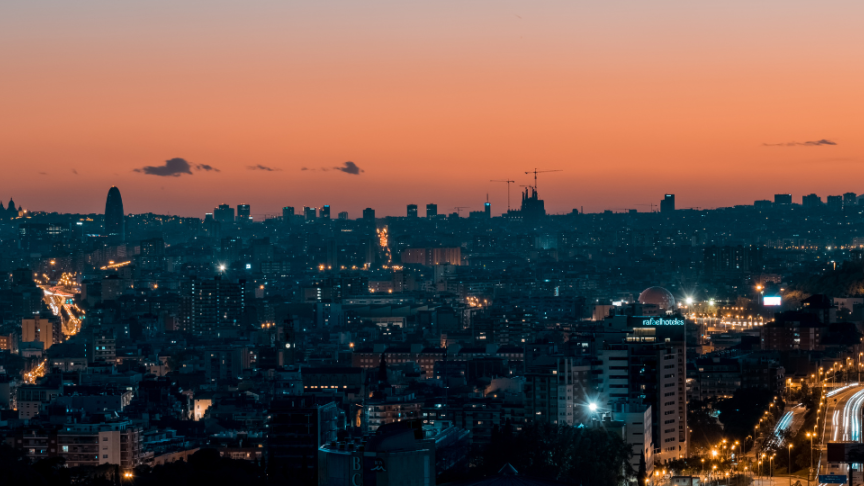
(174, 168)
(349, 168)
(262, 167)
(811, 143)
(74, 171)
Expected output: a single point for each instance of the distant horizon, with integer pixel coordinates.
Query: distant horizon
(356, 213)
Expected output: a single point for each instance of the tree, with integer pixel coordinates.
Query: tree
(642, 474)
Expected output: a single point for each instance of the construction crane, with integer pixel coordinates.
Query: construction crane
(535, 172)
(459, 209)
(651, 205)
(508, 192)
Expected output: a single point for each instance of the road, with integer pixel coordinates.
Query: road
(843, 424)
(61, 304)
(60, 296)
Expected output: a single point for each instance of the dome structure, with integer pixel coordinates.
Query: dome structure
(658, 296)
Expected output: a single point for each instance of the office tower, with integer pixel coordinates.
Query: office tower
(244, 214)
(783, 199)
(431, 210)
(310, 213)
(811, 201)
(487, 208)
(369, 215)
(224, 214)
(325, 212)
(667, 205)
(835, 203)
(343, 216)
(212, 305)
(287, 214)
(850, 199)
(115, 222)
(648, 373)
(412, 210)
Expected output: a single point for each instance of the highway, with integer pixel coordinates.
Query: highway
(843, 424)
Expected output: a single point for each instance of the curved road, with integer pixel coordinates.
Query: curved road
(843, 424)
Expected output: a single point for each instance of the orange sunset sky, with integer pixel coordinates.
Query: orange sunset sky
(431, 100)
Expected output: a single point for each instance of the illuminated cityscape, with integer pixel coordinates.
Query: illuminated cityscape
(431, 243)
(461, 331)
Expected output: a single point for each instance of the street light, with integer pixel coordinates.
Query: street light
(789, 466)
(810, 436)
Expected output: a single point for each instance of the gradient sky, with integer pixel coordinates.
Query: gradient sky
(430, 99)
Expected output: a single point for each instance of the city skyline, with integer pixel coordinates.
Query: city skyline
(718, 104)
(463, 211)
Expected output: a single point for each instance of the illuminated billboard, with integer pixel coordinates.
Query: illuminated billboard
(771, 300)
(658, 321)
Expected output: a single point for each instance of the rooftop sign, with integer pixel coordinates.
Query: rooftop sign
(659, 321)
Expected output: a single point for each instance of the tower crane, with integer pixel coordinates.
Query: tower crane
(508, 192)
(459, 209)
(535, 172)
(651, 205)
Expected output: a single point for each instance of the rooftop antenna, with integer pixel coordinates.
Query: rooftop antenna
(508, 192)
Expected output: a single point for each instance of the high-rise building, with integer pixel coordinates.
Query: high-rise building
(555, 391)
(431, 210)
(850, 199)
(100, 346)
(343, 216)
(212, 305)
(783, 199)
(412, 210)
(667, 205)
(298, 427)
(211, 227)
(369, 215)
(310, 214)
(646, 363)
(287, 214)
(811, 201)
(325, 212)
(835, 203)
(115, 221)
(224, 214)
(244, 214)
(487, 208)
